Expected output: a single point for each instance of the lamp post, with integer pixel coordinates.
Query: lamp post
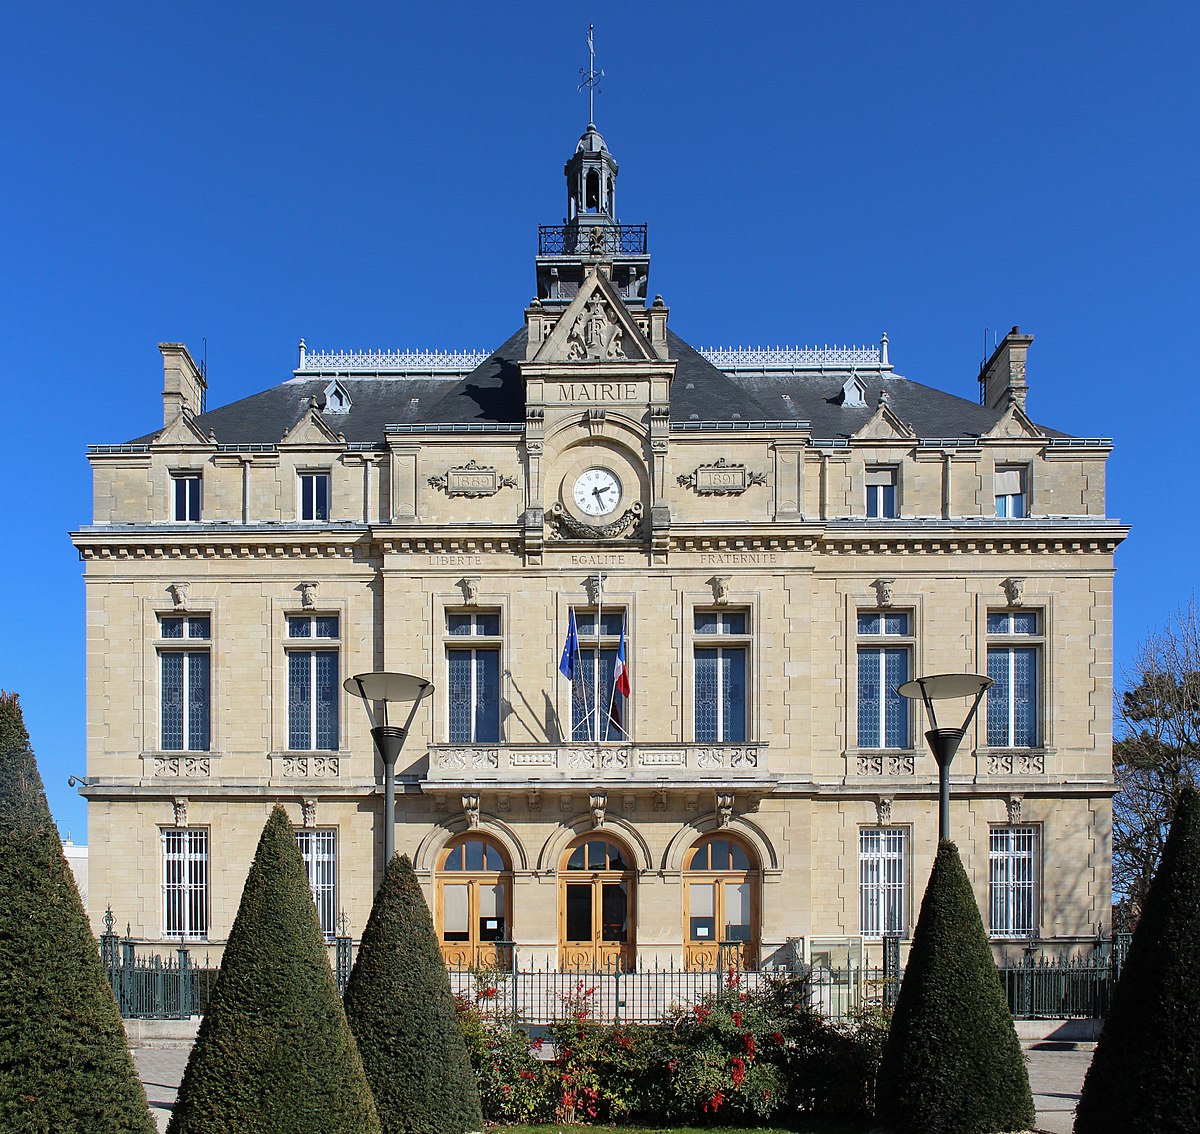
(944, 741)
(386, 689)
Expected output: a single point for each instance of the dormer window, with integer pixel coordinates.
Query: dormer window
(337, 398)
(314, 496)
(1011, 500)
(185, 497)
(881, 492)
(854, 392)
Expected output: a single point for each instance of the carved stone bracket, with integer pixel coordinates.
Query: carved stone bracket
(534, 798)
(470, 806)
(472, 479)
(308, 809)
(721, 479)
(720, 589)
(883, 591)
(724, 805)
(1014, 809)
(179, 809)
(308, 595)
(626, 525)
(660, 799)
(883, 810)
(1014, 588)
(469, 585)
(598, 802)
(179, 594)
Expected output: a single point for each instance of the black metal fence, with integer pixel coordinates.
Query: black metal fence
(1037, 986)
(597, 240)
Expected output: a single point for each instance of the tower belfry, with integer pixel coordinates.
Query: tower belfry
(590, 232)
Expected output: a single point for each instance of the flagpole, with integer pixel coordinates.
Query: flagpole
(596, 672)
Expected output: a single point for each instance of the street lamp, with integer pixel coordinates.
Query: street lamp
(944, 741)
(386, 689)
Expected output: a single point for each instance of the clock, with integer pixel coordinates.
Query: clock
(597, 492)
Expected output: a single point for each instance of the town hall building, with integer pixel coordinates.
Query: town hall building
(665, 598)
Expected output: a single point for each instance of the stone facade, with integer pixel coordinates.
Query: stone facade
(733, 493)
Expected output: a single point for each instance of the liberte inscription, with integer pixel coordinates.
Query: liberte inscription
(598, 391)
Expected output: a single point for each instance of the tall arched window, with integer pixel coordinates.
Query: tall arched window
(474, 903)
(597, 884)
(720, 905)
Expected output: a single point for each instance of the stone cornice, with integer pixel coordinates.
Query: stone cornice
(213, 541)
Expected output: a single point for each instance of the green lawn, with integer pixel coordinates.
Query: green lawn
(813, 1126)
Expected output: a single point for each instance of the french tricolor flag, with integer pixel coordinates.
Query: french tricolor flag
(621, 670)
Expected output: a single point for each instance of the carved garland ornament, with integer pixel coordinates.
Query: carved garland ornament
(627, 524)
(472, 479)
(721, 479)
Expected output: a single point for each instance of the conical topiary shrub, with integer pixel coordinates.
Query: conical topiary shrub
(274, 1054)
(64, 1064)
(399, 1004)
(952, 1063)
(1145, 1075)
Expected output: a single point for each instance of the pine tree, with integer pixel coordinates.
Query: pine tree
(1145, 1074)
(952, 1063)
(64, 1063)
(274, 1054)
(399, 1004)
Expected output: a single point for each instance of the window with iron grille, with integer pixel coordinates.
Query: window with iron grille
(185, 497)
(473, 677)
(883, 886)
(1013, 880)
(314, 495)
(318, 848)
(1013, 665)
(185, 672)
(721, 651)
(884, 652)
(312, 658)
(185, 882)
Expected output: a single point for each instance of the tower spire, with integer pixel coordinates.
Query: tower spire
(591, 79)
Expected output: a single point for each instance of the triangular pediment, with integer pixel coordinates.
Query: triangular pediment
(183, 431)
(596, 328)
(1014, 422)
(884, 425)
(311, 430)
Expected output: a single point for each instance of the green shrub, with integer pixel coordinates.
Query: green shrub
(399, 1005)
(274, 1054)
(514, 1084)
(64, 1064)
(952, 1063)
(1145, 1074)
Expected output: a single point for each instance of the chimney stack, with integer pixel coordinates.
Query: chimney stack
(1003, 375)
(184, 387)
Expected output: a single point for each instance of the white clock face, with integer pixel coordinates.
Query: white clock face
(597, 492)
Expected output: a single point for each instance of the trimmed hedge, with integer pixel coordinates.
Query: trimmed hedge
(399, 1005)
(1145, 1074)
(274, 1054)
(64, 1063)
(952, 1063)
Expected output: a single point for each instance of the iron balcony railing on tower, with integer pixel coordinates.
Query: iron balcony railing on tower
(592, 241)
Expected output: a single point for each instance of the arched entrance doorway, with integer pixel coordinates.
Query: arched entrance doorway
(474, 903)
(596, 893)
(720, 905)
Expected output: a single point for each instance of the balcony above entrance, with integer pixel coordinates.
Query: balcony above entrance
(573, 764)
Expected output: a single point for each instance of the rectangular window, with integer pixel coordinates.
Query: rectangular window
(882, 887)
(185, 684)
(881, 492)
(1011, 501)
(1013, 664)
(720, 676)
(473, 678)
(1012, 885)
(185, 882)
(185, 493)
(597, 710)
(318, 848)
(884, 652)
(312, 683)
(314, 496)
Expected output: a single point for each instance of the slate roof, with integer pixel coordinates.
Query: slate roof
(492, 394)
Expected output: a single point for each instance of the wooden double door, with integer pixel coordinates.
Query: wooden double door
(597, 892)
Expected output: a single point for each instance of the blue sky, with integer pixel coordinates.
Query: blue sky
(374, 176)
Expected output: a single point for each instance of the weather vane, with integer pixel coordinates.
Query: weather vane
(591, 79)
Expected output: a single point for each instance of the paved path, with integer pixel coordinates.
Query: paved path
(1055, 1076)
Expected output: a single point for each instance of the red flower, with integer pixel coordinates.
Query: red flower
(714, 1103)
(777, 1037)
(737, 1019)
(739, 1070)
(527, 1075)
(748, 1042)
(702, 1013)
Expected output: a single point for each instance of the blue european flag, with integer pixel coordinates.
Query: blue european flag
(566, 664)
